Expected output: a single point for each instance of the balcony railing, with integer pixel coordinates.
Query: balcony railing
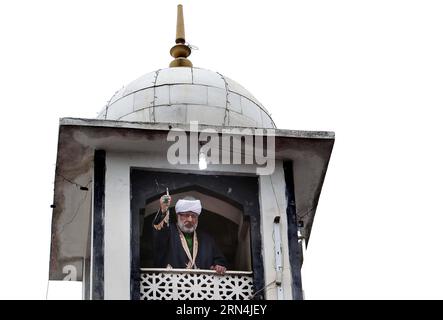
(186, 284)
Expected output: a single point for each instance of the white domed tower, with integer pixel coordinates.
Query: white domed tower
(184, 131)
(184, 94)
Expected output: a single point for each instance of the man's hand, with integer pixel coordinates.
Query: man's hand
(219, 269)
(165, 202)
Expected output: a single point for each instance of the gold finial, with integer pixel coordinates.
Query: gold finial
(180, 51)
(180, 34)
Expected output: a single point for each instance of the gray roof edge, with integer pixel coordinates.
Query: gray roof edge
(168, 126)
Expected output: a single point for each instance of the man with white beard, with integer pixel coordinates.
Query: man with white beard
(180, 245)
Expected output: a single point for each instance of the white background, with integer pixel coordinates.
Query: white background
(372, 71)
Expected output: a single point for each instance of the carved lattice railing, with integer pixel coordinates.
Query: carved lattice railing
(185, 284)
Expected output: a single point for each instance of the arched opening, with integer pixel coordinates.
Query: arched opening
(231, 213)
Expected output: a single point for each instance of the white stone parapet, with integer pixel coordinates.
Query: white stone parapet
(185, 284)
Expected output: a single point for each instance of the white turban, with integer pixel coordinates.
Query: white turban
(188, 205)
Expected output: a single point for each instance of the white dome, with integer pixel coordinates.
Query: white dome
(181, 95)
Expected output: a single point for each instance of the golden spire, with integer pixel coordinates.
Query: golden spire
(180, 51)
